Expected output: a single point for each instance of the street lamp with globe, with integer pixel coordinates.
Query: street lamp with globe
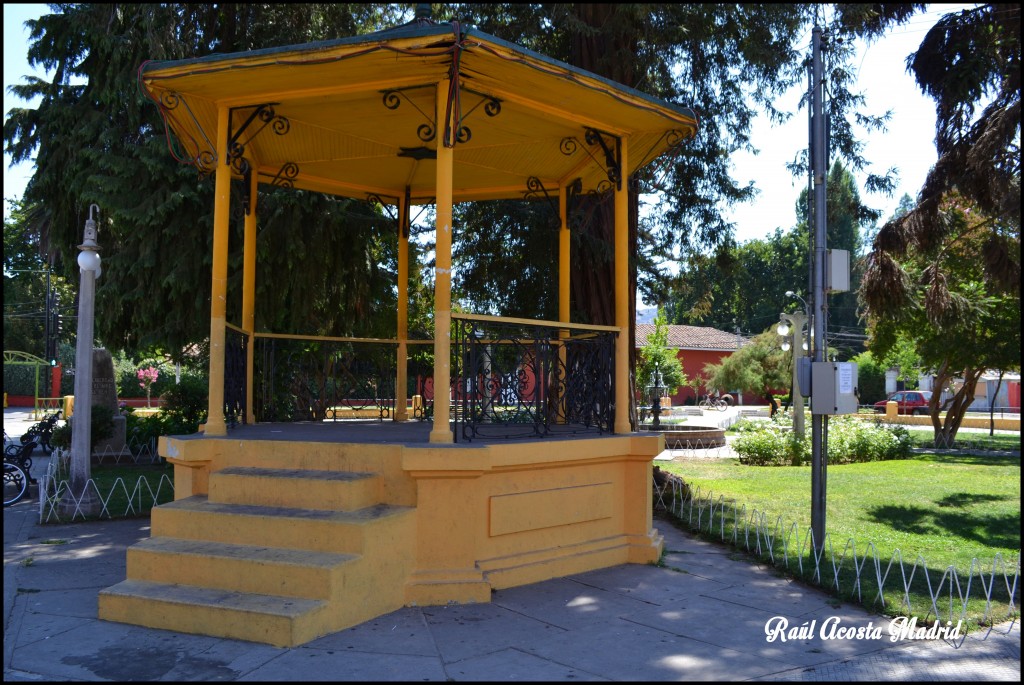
(794, 323)
(79, 498)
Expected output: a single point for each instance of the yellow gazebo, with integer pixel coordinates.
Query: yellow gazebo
(420, 114)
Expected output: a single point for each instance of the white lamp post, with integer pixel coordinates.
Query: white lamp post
(80, 498)
(794, 322)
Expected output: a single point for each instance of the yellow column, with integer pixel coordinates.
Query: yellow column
(564, 271)
(442, 432)
(401, 377)
(218, 292)
(249, 293)
(563, 255)
(622, 299)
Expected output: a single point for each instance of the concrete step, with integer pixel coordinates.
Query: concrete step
(197, 518)
(295, 488)
(239, 568)
(279, 621)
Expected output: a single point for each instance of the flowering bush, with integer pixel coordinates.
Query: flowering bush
(849, 441)
(147, 377)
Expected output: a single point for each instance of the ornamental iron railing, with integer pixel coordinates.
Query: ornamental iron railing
(236, 343)
(323, 379)
(517, 378)
(510, 378)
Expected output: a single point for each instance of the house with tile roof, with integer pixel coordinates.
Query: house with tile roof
(697, 346)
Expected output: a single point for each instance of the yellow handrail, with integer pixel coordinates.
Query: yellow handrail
(533, 322)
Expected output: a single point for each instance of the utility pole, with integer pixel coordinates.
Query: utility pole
(819, 425)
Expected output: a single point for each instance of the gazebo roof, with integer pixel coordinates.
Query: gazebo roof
(355, 116)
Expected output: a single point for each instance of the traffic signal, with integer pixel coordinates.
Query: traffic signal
(53, 337)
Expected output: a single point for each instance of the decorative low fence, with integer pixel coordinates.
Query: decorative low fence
(984, 594)
(123, 497)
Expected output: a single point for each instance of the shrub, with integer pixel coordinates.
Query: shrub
(772, 445)
(101, 428)
(849, 441)
(745, 426)
(61, 437)
(141, 430)
(185, 406)
(20, 379)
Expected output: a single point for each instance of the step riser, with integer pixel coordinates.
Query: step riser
(239, 575)
(302, 493)
(317, 535)
(279, 631)
(270, 531)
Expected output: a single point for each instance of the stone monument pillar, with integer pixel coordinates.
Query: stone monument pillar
(104, 393)
(890, 381)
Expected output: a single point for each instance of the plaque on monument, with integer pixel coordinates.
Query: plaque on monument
(104, 393)
(104, 387)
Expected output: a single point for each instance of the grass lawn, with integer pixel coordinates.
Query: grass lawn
(139, 489)
(969, 440)
(945, 508)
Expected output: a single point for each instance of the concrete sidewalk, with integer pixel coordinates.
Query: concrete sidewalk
(699, 616)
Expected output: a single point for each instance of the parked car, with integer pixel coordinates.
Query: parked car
(907, 402)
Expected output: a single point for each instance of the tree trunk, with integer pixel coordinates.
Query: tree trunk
(946, 429)
(600, 49)
(992, 406)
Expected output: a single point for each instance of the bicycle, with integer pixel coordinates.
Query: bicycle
(15, 483)
(710, 402)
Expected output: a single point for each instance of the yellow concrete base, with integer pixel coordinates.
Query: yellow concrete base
(282, 542)
(892, 415)
(280, 568)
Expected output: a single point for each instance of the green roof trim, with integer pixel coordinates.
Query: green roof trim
(416, 30)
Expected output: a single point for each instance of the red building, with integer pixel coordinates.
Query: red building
(697, 346)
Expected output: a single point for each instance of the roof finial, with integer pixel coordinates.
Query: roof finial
(423, 13)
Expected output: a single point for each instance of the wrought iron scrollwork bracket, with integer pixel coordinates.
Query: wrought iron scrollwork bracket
(392, 99)
(612, 154)
(535, 188)
(236, 148)
(386, 206)
(264, 113)
(492, 108)
(205, 159)
(286, 175)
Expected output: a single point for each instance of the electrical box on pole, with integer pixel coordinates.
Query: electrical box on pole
(803, 375)
(837, 278)
(834, 388)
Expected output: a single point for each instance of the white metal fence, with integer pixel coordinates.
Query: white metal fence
(123, 498)
(893, 586)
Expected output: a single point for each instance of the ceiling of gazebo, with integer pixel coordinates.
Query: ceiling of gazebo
(355, 117)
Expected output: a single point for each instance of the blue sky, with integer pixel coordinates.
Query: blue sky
(908, 144)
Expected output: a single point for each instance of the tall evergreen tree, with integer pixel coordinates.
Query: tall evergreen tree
(97, 139)
(968, 57)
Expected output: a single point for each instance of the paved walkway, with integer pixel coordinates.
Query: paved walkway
(701, 615)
